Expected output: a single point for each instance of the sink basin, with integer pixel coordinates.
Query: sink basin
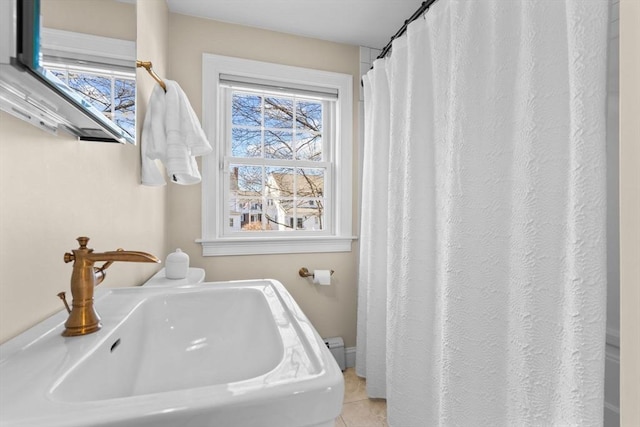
(215, 354)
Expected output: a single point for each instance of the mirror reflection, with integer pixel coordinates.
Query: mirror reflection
(88, 50)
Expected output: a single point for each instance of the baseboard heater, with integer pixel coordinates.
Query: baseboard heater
(336, 347)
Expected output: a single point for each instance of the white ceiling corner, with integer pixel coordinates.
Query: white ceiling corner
(368, 23)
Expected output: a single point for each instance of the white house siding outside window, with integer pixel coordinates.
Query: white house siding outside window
(279, 180)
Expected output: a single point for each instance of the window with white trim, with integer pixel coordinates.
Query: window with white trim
(111, 92)
(279, 178)
(98, 71)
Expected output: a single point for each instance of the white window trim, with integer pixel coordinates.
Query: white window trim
(213, 241)
(89, 47)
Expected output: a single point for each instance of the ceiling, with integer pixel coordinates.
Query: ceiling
(369, 23)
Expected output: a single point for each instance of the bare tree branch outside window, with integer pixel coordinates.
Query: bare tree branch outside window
(112, 95)
(279, 129)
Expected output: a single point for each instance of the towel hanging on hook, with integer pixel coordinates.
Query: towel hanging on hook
(147, 65)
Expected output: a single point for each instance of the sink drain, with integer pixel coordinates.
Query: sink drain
(115, 345)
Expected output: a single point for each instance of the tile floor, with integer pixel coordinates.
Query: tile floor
(358, 410)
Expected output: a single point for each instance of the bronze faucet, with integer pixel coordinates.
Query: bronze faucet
(83, 318)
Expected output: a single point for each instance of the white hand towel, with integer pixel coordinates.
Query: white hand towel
(174, 136)
(153, 140)
(185, 137)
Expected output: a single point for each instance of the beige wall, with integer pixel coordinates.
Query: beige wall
(331, 309)
(629, 213)
(111, 18)
(54, 189)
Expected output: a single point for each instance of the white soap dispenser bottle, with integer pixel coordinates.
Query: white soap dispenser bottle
(177, 265)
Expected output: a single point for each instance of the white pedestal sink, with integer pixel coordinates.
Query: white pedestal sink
(215, 354)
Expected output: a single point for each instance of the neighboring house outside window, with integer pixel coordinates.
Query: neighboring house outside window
(308, 210)
(279, 180)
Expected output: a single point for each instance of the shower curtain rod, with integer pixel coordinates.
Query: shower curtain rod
(417, 14)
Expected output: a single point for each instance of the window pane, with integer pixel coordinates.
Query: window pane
(271, 131)
(246, 110)
(234, 214)
(95, 89)
(251, 215)
(246, 143)
(310, 218)
(309, 146)
(59, 74)
(125, 105)
(277, 212)
(309, 116)
(310, 182)
(278, 145)
(279, 182)
(278, 113)
(246, 180)
(114, 96)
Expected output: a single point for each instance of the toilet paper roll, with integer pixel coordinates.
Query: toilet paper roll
(322, 277)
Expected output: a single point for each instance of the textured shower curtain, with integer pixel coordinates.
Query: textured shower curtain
(483, 262)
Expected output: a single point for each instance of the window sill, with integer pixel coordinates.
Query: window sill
(275, 245)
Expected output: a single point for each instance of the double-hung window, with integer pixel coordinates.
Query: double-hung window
(279, 179)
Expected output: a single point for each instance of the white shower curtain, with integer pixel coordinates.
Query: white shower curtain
(483, 260)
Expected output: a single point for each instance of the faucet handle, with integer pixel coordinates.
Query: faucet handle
(63, 297)
(68, 257)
